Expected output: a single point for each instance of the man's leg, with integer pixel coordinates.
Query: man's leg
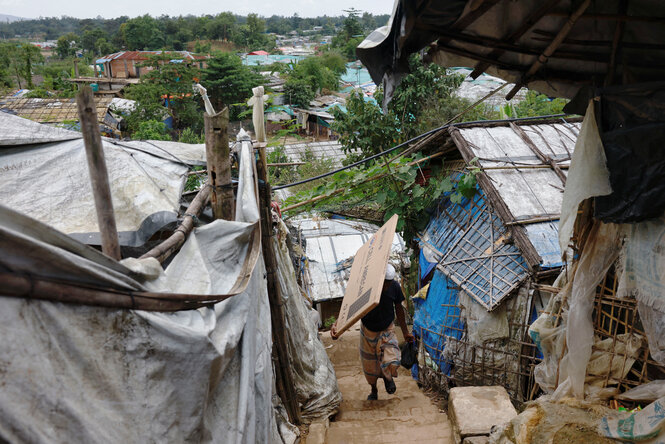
(370, 360)
(390, 357)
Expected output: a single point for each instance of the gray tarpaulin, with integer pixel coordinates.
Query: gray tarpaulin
(44, 174)
(71, 373)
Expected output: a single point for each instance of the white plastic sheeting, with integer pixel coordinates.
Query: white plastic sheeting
(72, 373)
(44, 174)
(314, 375)
(644, 279)
(600, 252)
(588, 175)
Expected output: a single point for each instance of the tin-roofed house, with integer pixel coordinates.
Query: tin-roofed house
(488, 258)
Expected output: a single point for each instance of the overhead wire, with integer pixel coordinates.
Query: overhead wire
(418, 137)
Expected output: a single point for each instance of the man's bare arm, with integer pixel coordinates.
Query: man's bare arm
(401, 321)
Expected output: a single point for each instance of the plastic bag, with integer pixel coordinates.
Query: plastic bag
(409, 354)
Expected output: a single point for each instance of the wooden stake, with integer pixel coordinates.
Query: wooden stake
(219, 164)
(98, 174)
(285, 384)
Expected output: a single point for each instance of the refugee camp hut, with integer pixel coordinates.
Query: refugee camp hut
(607, 57)
(486, 258)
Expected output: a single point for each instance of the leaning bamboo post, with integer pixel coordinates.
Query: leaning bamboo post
(284, 378)
(162, 251)
(98, 174)
(219, 164)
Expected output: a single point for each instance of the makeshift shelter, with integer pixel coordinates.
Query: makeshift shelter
(182, 354)
(609, 58)
(487, 257)
(148, 178)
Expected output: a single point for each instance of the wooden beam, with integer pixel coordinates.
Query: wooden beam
(542, 59)
(614, 17)
(284, 377)
(219, 164)
(545, 159)
(527, 24)
(533, 220)
(164, 250)
(618, 35)
(99, 178)
(547, 36)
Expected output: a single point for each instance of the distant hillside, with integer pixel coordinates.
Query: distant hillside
(4, 18)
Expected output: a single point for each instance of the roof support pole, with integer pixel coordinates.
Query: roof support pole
(551, 48)
(219, 164)
(283, 376)
(528, 23)
(616, 40)
(99, 179)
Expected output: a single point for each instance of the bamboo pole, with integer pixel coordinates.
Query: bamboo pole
(162, 251)
(219, 164)
(285, 384)
(551, 48)
(98, 174)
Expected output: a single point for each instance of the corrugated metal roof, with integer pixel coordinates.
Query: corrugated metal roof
(472, 247)
(143, 55)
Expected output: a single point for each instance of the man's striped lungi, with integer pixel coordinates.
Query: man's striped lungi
(379, 353)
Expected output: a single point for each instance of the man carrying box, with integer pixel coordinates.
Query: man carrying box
(379, 350)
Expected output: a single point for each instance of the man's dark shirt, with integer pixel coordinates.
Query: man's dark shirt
(383, 314)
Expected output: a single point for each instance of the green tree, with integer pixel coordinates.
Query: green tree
(334, 61)
(29, 55)
(229, 82)
(7, 57)
(222, 26)
(298, 92)
(164, 91)
(151, 130)
(316, 74)
(90, 38)
(66, 45)
(142, 33)
(536, 104)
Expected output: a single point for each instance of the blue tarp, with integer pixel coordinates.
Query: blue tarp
(438, 317)
(473, 250)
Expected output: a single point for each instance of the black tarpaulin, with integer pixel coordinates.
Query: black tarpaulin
(631, 122)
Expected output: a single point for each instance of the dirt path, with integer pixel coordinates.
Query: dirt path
(407, 416)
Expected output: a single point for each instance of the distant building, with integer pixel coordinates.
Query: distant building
(127, 64)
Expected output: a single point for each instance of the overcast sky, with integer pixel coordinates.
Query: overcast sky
(133, 8)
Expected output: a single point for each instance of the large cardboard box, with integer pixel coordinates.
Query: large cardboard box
(368, 272)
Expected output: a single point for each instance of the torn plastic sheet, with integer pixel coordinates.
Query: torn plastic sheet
(314, 375)
(600, 252)
(644, 279)
(645, 426)
(587, 176)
